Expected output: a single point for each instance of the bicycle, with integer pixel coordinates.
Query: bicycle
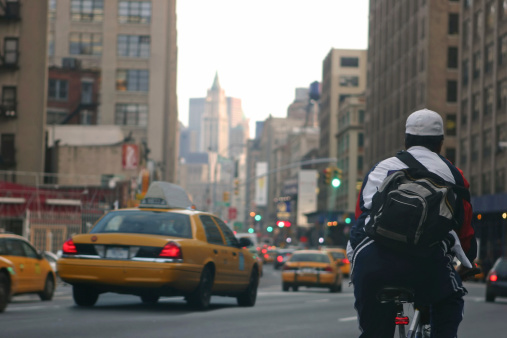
(420, 323)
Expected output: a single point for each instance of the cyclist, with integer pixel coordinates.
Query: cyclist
(434, 279)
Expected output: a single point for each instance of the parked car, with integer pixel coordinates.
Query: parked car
(281, 257)
(33, 272)
(52, 259)
(311, 268)
(161, 248)
(496, 280)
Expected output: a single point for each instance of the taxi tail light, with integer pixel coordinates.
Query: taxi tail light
(345, 261)
(328, 269)
(279, 259)
(171, 250)
(401, 320)
(69, 247)
(493, 277)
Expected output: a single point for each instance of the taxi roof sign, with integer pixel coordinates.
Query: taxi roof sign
(165, 195)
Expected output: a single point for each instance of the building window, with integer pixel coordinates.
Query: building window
(132, 80)
(502, 95)
(452, 57)
(51, 44)
(463, 151)
(502, 50)
(467, 3)
(52, 10)
(87, 10)
(134, 12)
(131, 114)
(466, 32)
(58, 89)
(11, 51)
(487, 143)
(453, 24)
(359, 163)
(134, 46)
(450, 125)
(464, 72)
(56, 117)
(450, 154)
(9, 101)
(503, 10)
(477, 64)
(7, 149)
(361, 115)
(85, 44)
(464, 112)
(476, 109)
(452, 91)
(486, 183)
(488, 62)
(488, 101)
(349, 62)
(475, 147)
(360, 140)
(500, 180)
(478, 24)
(490, 20)
(349, 81)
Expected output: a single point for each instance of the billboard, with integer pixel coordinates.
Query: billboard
(307, 195)
(261, 184)
(130, 156)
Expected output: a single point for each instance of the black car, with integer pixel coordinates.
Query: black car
(496, 281)
(281, 257)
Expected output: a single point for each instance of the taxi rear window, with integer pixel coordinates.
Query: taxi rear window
(310, 257)
(145, 222)
(337, 255)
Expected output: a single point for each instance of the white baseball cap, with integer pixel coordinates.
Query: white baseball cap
(425, 122)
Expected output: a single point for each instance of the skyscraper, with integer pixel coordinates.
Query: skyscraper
(215, 122)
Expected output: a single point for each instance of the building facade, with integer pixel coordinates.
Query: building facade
(23, 39)
(133, 44)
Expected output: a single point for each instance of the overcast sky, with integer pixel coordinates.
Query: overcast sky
(262, 49)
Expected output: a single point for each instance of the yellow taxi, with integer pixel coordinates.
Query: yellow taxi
(29, 271)
(161, 248)
(311, 268)
(7, 279)
(340, 257)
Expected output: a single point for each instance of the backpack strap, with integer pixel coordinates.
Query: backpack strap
(411, 162)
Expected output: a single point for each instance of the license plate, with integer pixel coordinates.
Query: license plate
(117, 253)
(307, 270)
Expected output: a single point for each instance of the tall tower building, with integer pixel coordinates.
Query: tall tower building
(215, 122)
(195, 113)
(133, 43)
(343, 74)
(412, 64)
(23, 84)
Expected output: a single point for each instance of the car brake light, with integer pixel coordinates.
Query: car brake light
(345, 261)
(264, 251)
(401, 320)
(493, 277)
(328, 269)
(171, 250)
(266, 256)
(279, 259)
(69, 247)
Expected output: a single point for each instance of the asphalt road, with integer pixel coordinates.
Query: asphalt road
(307, 313)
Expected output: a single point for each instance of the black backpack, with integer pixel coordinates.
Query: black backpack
(414, 209)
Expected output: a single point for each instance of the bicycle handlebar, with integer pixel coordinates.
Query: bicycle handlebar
(469, 273)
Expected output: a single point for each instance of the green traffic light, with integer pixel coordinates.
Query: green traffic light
(336, 182)
(269, 229)
(258, 217)
(251, 230)
(347, 220)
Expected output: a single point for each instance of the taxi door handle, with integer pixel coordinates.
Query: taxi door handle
(215, 251)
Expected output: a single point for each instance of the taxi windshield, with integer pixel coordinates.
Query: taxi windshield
(145, 222)
(310, 257)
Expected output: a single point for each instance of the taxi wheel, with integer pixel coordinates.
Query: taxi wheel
(200, 299)
(49, 289)
(285, 287)
(84, 296)
(149, 299)
(4, 291)
(249, 296)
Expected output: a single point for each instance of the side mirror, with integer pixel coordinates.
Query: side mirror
(245, 242)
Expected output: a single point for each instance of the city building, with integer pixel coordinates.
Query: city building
(215, 122)
(343, 74)
(23, 84)
(73, 95)
(133, 44)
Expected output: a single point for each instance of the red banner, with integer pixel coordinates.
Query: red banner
(233, 213)
(130, 156)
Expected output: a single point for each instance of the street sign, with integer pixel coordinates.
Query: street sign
(233, 213)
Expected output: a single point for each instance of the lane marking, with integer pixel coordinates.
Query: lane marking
(317, 301)
(347, 319)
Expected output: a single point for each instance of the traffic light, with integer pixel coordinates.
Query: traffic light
(251, 231)
(236, 187)
(258, 218)
(269, 229)
(327, 175)
(226, 196)
(336, 175)
(280, 224)
(347, 220)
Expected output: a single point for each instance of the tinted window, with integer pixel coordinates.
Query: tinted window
(212, 233)
(337, 255)
(310, 257)
(501, 267)
(230, 239)
(145, 222)
(3, 249)
(15, 247)
(29, 251)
